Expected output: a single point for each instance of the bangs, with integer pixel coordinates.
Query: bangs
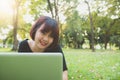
(51, 27)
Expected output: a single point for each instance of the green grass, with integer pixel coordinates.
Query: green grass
(88, 65)
(5, 49)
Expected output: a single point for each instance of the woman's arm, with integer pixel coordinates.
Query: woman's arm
(65, 75)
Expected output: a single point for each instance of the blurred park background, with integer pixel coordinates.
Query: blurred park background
(89, 32)
(93, 24)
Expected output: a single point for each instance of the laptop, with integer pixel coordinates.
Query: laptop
(31, 66)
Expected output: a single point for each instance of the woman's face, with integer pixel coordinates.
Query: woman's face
(43, 39)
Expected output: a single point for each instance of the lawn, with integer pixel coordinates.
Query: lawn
(88, 65)
(5, 49)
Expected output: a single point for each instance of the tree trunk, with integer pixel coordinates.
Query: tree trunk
(91, 25)
(51, 10)
(56, 10)
(105, 45)
(15, 25)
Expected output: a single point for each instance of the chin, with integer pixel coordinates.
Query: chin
(42, 47)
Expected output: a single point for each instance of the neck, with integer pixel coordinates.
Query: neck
(36, 49)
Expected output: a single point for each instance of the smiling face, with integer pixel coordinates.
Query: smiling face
(43, 39)
(45, 33)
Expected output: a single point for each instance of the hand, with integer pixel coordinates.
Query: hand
(65, 75)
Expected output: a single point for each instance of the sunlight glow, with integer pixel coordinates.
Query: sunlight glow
(6, 7)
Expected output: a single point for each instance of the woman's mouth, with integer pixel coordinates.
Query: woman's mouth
(43, 43)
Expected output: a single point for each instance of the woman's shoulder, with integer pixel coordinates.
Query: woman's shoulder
(24, 46)
(24, 42)
(57, 49)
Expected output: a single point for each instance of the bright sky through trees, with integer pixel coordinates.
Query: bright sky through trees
(5, 10)
(6, 7)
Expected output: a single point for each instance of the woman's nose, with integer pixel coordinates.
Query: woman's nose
(45, 38)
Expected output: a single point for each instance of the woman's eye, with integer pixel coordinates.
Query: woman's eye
(51, 36)
(43, 32)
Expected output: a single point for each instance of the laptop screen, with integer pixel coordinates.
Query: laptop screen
(27, 66)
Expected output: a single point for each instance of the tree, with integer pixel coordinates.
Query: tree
(53, 7)
(15, 23)
(91, 25)
(73, 32)
(107, 16)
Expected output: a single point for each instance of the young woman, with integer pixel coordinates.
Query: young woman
(44, 38)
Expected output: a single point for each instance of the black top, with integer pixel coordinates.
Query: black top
(24, 47)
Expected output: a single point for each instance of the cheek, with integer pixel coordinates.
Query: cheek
(38, 35)
(51, 40)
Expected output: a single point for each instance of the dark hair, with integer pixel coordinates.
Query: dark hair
(50, 25)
